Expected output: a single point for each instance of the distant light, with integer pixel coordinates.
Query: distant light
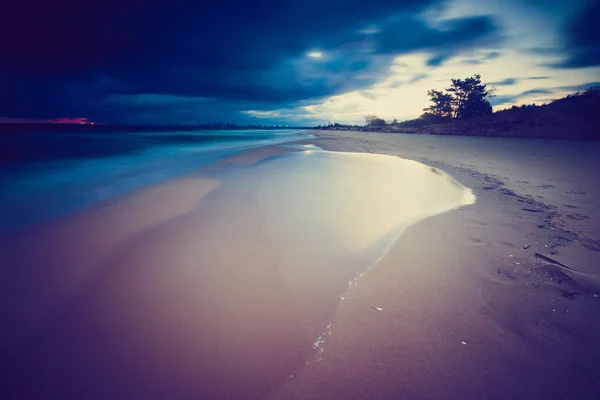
(315, 54)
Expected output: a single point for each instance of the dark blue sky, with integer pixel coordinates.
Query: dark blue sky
(284, 62)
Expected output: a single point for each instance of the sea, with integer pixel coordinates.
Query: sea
(47, 175)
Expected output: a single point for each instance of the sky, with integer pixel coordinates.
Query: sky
(284, 62)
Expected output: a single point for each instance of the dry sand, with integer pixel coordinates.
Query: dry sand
(458, 308)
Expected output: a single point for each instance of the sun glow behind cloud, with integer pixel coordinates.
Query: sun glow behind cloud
(403, 93)
(508, 66)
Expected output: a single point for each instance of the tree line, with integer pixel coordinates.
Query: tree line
(463, 99)
(576, 115)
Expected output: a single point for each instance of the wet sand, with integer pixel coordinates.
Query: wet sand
(459, 306)
(214, 286)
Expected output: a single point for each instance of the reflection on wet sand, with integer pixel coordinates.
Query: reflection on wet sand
(225, 300)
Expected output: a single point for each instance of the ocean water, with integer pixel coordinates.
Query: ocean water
(46, 175)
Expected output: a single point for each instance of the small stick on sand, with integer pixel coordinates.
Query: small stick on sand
(543, 257)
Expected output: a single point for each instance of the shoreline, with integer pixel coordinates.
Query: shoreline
(472, 282)
(236, 259)
(118, 220)
(70, 177)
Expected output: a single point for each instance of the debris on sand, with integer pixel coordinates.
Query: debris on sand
(552, 260)
(377, 308)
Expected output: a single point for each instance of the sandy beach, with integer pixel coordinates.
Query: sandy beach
(293, 273)
(468, 310)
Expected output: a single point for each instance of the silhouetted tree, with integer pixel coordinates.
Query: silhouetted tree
(469, 97)
(374, 120)
(442, 104)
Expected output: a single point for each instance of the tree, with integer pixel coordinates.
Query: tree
(374, 120)
(442, 104)
(469, 97)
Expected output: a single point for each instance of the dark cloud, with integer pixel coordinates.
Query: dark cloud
(472, 62)
(536, 78)
(511, 99)
(438, 60)
(482, 58)
(417, 78)
(579, 88)
(535, 91)
(414, 79)
(492, 55)
(505, 82)
(74, 58)
(408, 33)
(504, 99)
(582, 38)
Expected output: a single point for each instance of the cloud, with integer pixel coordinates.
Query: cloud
(492, 55)
(579, 88)
(480, 58)
(504, 99)
(557, 91)
(264, 114)
(535, 91)
(582, 39)
(296, 115)
(448, 39)
(515, 98)
(437, 60)
(505, 82)
(402, 82)
(472, 62)
(417, 78)
(186, 58)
